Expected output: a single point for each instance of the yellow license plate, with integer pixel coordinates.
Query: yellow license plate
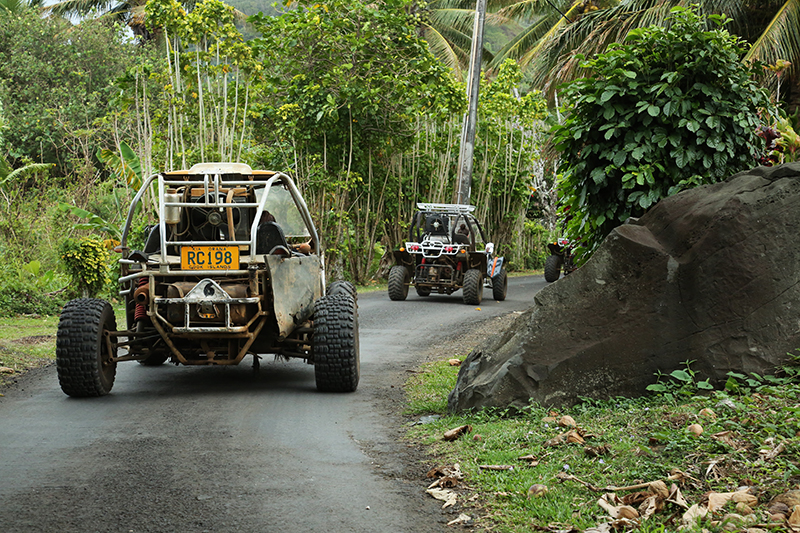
(209, 257)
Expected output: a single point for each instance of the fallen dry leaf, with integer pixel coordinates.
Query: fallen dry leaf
(694, 513)
(768, 455)
(449, 497)
(725, 437)
(448, 482)
(794, 518)
(676, 497)
(455, 433)
(695, 429)
(717, 500)
(597, 451)
(556, 441)
(635, 498)
(789, 499)
(6, 370)
(537, 490)
(454, 362)
(611, 504)
(575, 437)
(567, 421)
(707, 413)
(446, 476)
(659, 488)
(650, 506)
(462, 519)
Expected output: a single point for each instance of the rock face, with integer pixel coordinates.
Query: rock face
(709, 275)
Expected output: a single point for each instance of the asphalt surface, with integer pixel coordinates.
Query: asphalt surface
(219, 449)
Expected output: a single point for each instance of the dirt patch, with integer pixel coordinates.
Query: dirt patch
(33, 339)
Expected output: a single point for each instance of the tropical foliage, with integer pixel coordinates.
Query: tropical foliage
(672, 108)
(561, 29)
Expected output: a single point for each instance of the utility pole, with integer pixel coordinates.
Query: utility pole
(467, 149)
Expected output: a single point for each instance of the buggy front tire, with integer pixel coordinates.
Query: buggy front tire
(84, 349)
(552, 268)
(398, 283)
(337, 365)
(500, 285)
(473, 287)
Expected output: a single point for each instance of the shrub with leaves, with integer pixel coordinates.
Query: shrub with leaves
(86, 260)
(671, 108)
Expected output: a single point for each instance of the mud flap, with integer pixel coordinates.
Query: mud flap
(295, 287)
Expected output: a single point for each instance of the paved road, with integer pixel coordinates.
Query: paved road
(194, 449)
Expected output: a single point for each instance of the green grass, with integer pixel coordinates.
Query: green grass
(28, 342)
(645, 440)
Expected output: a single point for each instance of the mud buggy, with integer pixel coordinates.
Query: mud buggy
(445, 252)
(233, 268)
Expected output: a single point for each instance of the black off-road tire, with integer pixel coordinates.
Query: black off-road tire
(473, 287)
(500, 285)
(398, 283)
(82, 354)
(337, 366)
(343, 287)
(422, 291)
(552, 268)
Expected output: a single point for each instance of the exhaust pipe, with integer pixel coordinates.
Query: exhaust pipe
(142, 294)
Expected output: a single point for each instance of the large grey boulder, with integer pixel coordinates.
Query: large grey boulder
(709, 275)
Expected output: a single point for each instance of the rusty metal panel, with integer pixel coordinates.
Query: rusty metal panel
(296, 285)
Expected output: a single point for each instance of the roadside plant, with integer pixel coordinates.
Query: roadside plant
(679, 384)
(669, 109)
(86, 261)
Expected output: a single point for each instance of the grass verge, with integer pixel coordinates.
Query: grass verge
(750, 441)
(28, 342)
(25, 343)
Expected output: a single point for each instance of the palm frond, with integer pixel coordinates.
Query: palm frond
(532, 8)
(460, 19)
(780, 39)
(526, 40)
(444, 51)
(24, 171)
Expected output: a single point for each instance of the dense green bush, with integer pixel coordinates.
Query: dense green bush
(28, 289)
(87, 261)
(671, 108)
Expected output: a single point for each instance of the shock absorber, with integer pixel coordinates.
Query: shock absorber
(141, 296)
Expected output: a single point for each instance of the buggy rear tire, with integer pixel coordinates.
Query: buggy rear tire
(422, 291)
(473, 287)
(398, 283)
(83, 359)
(500, 285)
(343, 287)
(552, 268)
(337, 365)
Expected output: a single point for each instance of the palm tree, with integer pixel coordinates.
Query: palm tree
(565, 28)
(16, 6)
(447, 26)
(129, 12)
